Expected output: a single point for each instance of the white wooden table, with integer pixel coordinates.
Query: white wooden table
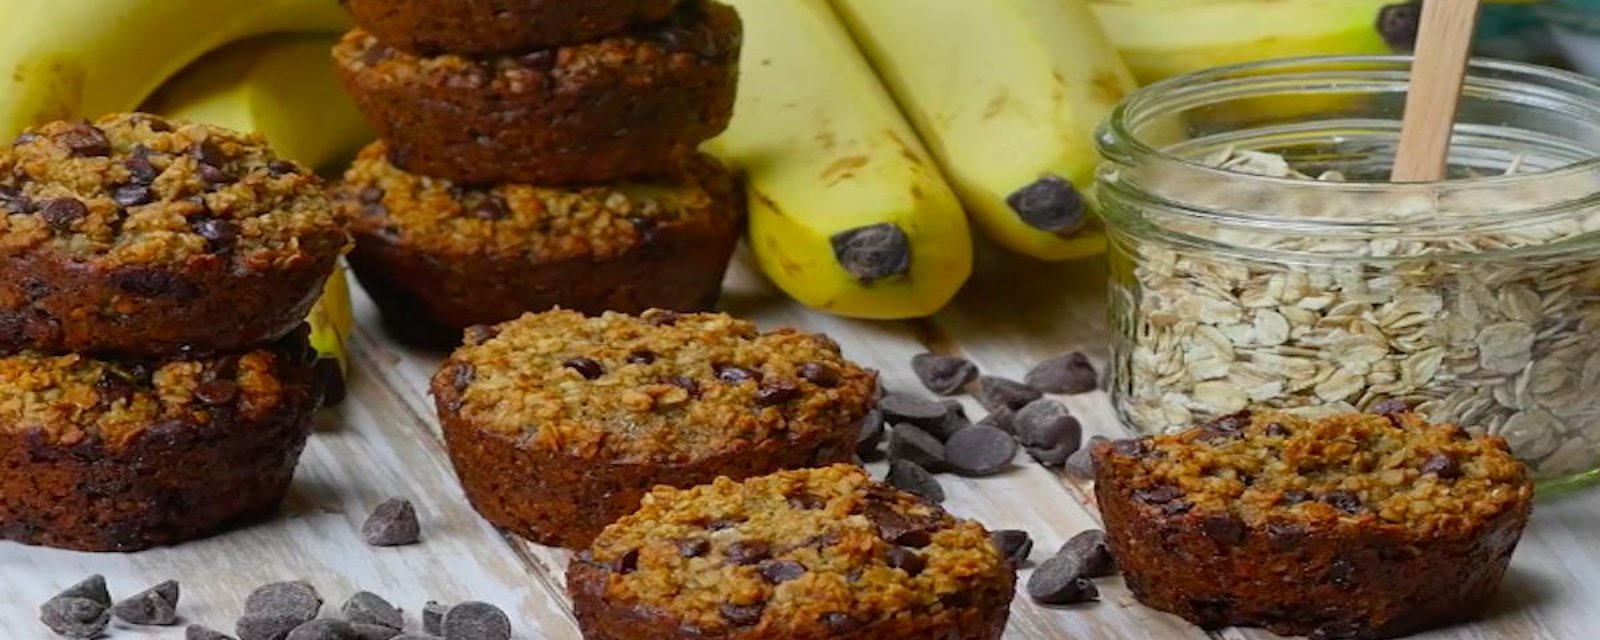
(384, 441)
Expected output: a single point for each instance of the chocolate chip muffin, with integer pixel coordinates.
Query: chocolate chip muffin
(558, 424)
(127, 454)
(796, 555)
(439, 257)
(140, 236)
(623, 107)
(1354, 526)
(478, 27)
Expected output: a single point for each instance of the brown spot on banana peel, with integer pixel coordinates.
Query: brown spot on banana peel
(1108, 88)
(873, 253)
(843, 168)
(60, 98)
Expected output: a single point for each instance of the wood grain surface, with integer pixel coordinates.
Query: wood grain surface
(384, 441)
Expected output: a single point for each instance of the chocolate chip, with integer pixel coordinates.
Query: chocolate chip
(723, 523)
(1093, 551)
(734, 374)
(839, 623)
(994, 392)
(641, 357)
(1443, 465)
(781, 571)
(776, 393)
(912, 478)
(283, 168)
(1131, 447)
(941, 374)
(873, 253)
(433, 617)
(199, 632)
(208, 153)
(694, 548)
(1343, 500)
(139, 166)
(266, 626)
(586, 367)
(1399, 23)
(153, 283)
(220, 235)
(360, 631)
(322, 629)
(954, 407)
(1227, 529)
(916, 410)
(12, 200)
(215, 176)
(805, 501)
(980, 451)
(26, 138)
(687, 384)
(1045, 424)
(914, 445)
(1277, 430)
(1002, 418)
(1341, 571)
(1080, 464)
(297, 600)
(465, 372)
(1159, 494)
(1014, 544)
(92, 588)
(491, 207)
(742, 615)
(1049, 204)
(954, 422)
(133, 195)
(1060, 580)
(870, 436)
(475, 621)
(819, 374)
(1294, 497)
(626, 563)
(1071, 374)
(899, 528)
(366, 607)
(74, 617)
(60, 213)
(217, 392)
(747, 552)
(156, 606)
(86, 141)
(906, 560)
(1050, 456)
(393, 523)
(1285, 534)
(661, 317)
(1390, 405)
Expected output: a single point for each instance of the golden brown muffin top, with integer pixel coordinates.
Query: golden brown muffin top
(517, 221)
(138, 189)
(1268, 468)
(663, 387)
(804, 549)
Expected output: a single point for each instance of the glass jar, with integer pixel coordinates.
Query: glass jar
(1260, 257)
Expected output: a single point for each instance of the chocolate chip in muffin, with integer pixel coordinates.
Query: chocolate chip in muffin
(912, 409)
(586, 367)
(74, 617)
(626, 563)
(748, 552)
(776, 392)
(133, 195)
(994, 392)
(873, 253)
(92, 587)
(942, 374)
(734, 374)
(491, 207)
(899, 528)
(221, 235)
(1049, 204)
(139, 166)
(819, 374)
(781, 571)
(1014, 544)
(366, 607)
(1070, 374)
(61, 213)
(1226, 529)
(694, 548)
(912, 478)
(393, 523)
(1060, 580)
(980, 451)
(217, 392)
(689, 385)
(1345, 501)
(1093, 553)
(1442, 465)
(475, 621)
(156, 606)
(906, 560)
(742, 615)
(1277, 430)
(213, 175)
(86, 141)
(911, 444)
(642, 356)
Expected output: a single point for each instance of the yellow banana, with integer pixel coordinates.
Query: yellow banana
(76, 58)
(282, 87)
(848, 213)
(1007, 95)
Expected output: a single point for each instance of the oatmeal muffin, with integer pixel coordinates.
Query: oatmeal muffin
(477, 27)
(624, 107)
(439, 258)
(558, 424)
(1353, 526)
(796, 555)
(140, 236)
(122, 455)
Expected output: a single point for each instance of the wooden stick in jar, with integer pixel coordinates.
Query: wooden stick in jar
(1444, 45)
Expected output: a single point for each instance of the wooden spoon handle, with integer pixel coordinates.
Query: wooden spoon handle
(1444, 46)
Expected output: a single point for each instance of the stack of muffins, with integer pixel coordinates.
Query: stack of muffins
(156, 382)
(538, 154)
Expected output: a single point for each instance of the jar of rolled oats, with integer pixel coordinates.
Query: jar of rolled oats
(1261, 258)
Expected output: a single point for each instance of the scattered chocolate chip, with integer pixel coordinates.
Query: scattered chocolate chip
(220, 235)
(266, 626)
(214, 176)
(734, 374)
(433, 617)
(199, 632)
(916, 410)
(906, 560)
(1014, 544)
(776, 393)
(92, 588)
(586, 367)
(1390, 405)
(1080, 464)
(980, 451)
(747, 552)
(642, 357)
(1227, 529)
(870, 436)
(1343, 500)
(742, 615)
(1046, 424)
(912, 478)
(942, 374)
(1071, 374)
(1002, 418)
(366, 607)
(393, 523)
(217, 392)
(1093, 551)
(819, 374)
(954, 408)
(694, 548)
(60, 213)
(133, 195)
(475, 621)
(1060, 580)
(953, 423)
(626, 563)
(86, 141)
(322, 629)
(914, 445)
(156, 606)
(781, 571)
(74, 617)
(1050, 456)
(873, 253)
(360, 631)
(1277, 430)
(1443, 465)
(283, 167)
(1049, 204)
(994, 392)
(297, 600)
(1399, 23)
